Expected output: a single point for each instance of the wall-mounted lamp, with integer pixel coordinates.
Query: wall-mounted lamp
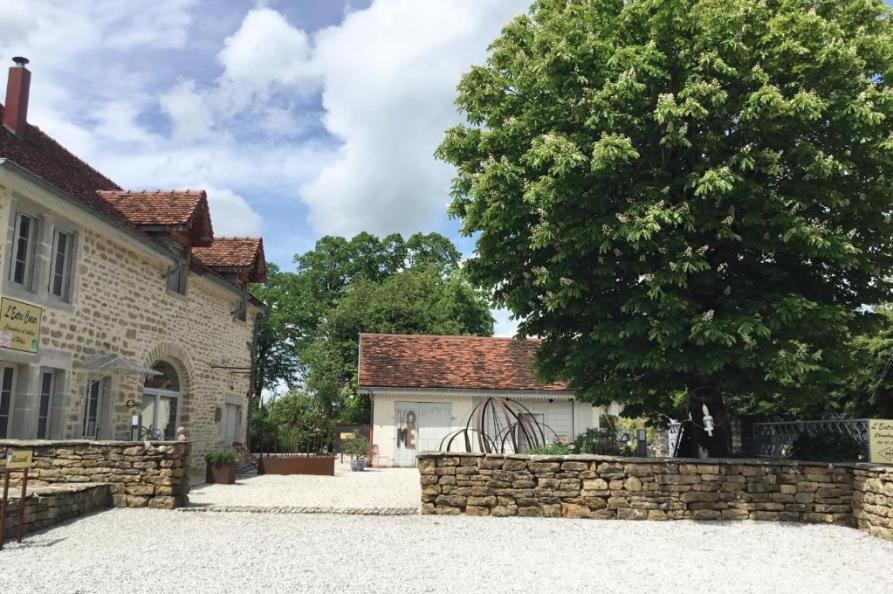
(708, 420)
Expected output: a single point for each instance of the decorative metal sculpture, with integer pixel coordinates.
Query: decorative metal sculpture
(497, 423)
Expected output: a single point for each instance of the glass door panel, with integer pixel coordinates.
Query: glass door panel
(91, 407)
(166, 418)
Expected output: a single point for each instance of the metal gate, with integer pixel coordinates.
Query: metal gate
(774, 439)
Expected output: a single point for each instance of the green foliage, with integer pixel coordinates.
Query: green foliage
(826, 446)
(344, 287)
(296, 422)
(604, 441)
(278, 331)
(555, 449)
(870, 390)
(684, 193)
(221, 457)
(356, 448)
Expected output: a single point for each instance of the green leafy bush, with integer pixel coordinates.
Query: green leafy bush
(223, 457)
(826, 446)
(356, 448)
(603, 441)
(555, 449)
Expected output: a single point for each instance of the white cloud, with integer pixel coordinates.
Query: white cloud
(117, 122)
(386, 77)
(94, 103)
(389, 76)
(188, 111)
(265, 51)
(231, 214)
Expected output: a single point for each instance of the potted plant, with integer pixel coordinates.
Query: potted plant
(221, 467)
(358, 449)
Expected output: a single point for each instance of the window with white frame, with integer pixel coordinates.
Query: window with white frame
(45, 406)
(92, 404)
(24, 244)
(61, 264)
(7, 377)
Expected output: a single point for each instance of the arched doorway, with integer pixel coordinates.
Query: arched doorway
(161, 403)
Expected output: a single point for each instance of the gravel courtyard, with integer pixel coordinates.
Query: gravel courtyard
(152, 551)
(373, 488)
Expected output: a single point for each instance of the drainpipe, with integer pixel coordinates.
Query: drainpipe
(252, 381)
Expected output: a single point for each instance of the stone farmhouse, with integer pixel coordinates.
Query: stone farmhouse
(123, 316)
(425, 387)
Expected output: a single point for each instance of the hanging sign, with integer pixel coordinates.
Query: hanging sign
(18, 459)
(880, 441)
(19, 325)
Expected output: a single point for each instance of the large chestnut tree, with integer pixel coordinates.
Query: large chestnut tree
(684, 196)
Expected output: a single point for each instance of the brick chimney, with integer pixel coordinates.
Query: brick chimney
(15, 112)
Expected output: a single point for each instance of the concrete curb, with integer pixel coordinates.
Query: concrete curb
(303, 509)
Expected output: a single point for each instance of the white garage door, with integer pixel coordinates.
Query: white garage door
(558, 416)
(420, 427)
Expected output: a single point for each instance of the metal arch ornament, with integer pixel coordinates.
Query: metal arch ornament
(497, 422)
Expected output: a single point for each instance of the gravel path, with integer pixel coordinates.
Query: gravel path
(152, 551)
(372, 488)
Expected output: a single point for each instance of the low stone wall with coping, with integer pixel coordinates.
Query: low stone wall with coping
(873, 500)
(608, 487)
(139, 474)
(50, 505)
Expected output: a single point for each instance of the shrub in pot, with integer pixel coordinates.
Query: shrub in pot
(358, 449)
(221, 467)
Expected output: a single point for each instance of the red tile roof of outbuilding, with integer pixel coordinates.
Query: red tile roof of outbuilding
(449, 362)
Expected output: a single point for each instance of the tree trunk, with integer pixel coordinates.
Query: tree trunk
(698, 440)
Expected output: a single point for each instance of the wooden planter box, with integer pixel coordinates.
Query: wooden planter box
(221, 474)
(320, 465)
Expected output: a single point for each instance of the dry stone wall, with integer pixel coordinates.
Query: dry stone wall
(138, 475)
(50, 505)
(873, 500)
(657, 489)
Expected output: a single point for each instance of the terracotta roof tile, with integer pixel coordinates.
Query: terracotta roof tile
(166, 208)
(235, 254)
(47, 159)
(458, 362)
(231, 251)
(50, 161)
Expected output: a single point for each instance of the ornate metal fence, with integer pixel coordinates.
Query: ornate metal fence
(774, 439)
(673, 430)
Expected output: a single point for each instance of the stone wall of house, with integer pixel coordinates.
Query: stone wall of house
(120, 305)
(138, 475)
(657, 489)
(47, 506)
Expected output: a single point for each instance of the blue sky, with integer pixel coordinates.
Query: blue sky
(300, 118)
